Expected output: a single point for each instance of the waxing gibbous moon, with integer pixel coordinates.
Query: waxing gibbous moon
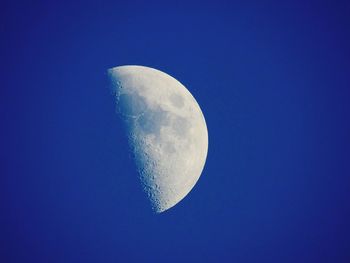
(166, 130)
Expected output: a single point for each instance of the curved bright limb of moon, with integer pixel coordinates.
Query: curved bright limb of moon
(166, 130)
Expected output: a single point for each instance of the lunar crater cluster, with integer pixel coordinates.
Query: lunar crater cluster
(166, 132)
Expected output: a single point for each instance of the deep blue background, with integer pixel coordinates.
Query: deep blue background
(273, 81)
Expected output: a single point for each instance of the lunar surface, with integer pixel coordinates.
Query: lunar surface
(166, 131)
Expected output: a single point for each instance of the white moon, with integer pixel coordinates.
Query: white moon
(166, 130)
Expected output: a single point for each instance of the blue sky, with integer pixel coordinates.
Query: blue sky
(272, 80)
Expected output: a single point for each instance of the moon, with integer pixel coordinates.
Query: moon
(166, 131)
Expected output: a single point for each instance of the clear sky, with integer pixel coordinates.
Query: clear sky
(272, 79)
